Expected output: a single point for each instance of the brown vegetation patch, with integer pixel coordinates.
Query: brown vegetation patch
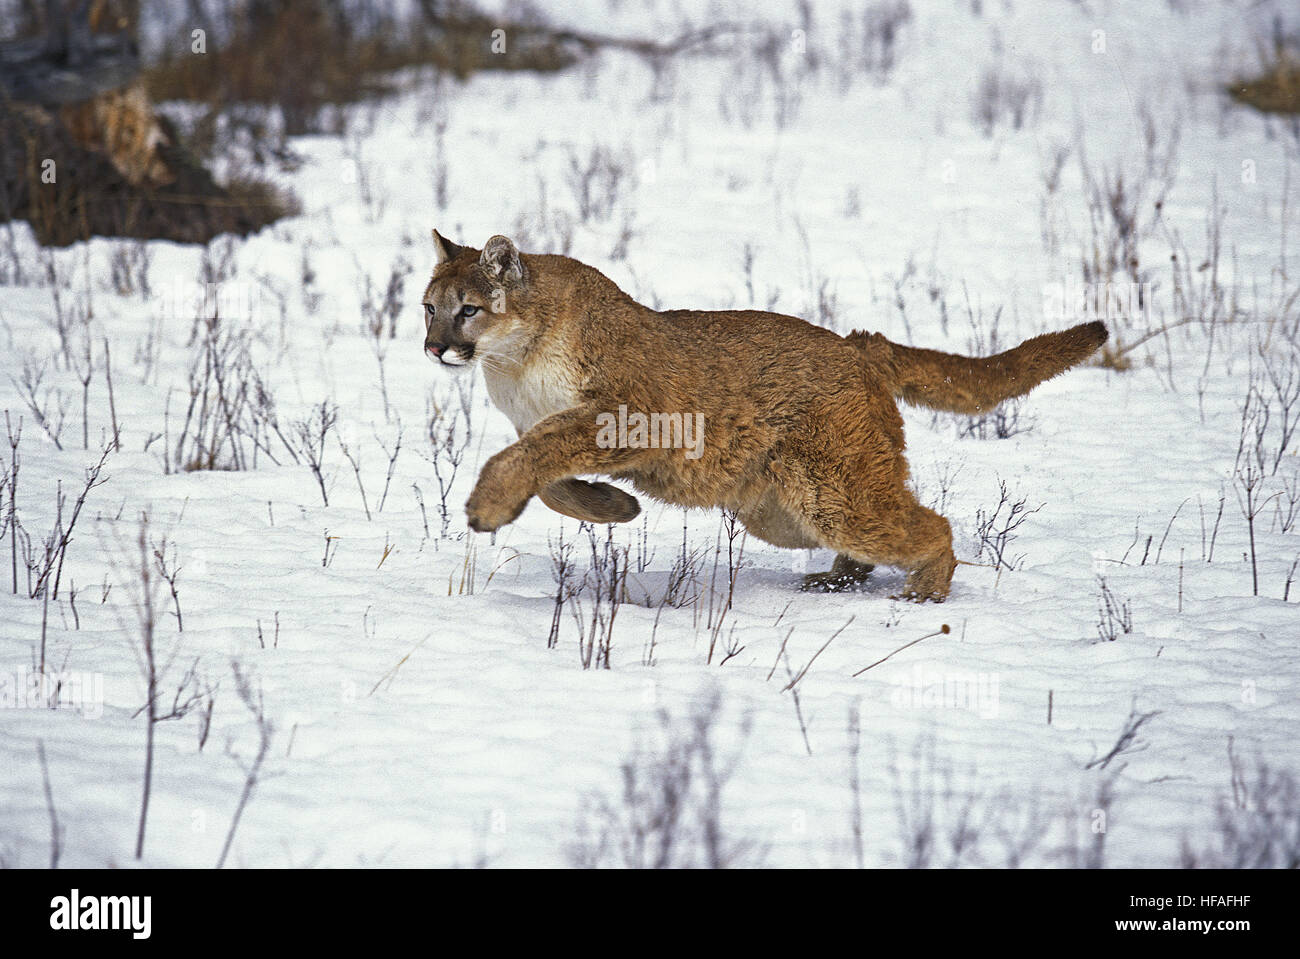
(71, 183)
(1276, 89)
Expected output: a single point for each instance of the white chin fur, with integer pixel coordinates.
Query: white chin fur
(454, 359)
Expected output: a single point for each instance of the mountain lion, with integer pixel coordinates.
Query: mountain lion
(798, 428)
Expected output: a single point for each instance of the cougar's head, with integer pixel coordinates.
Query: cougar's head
(470, 303)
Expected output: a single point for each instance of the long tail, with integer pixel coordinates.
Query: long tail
(961, 384)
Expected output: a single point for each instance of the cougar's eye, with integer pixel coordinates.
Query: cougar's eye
(428, 310)
(467, 311)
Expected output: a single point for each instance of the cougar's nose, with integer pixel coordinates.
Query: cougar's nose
(434, 350)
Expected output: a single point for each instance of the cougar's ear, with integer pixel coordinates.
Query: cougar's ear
(446, 250)
(502, 261)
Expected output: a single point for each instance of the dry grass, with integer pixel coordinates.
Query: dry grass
(306, 55)
(91, 197)
(1275, 89)
(249, 191)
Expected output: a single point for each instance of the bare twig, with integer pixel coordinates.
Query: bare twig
(56, 831)
(1128, 738)
(943, 630)
(265, 732)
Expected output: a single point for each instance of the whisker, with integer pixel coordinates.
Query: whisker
(497, 362)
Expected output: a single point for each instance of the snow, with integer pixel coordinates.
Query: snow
(422, 722)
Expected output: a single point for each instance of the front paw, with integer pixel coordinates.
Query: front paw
(494, 503)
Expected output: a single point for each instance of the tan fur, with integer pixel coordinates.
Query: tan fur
(122, 124)
(802, 434)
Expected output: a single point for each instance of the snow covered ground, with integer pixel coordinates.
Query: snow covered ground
(930, 183)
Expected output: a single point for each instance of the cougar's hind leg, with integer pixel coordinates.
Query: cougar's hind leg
(846, 572)
(857, 501)
(897, 531)
(591, 502)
